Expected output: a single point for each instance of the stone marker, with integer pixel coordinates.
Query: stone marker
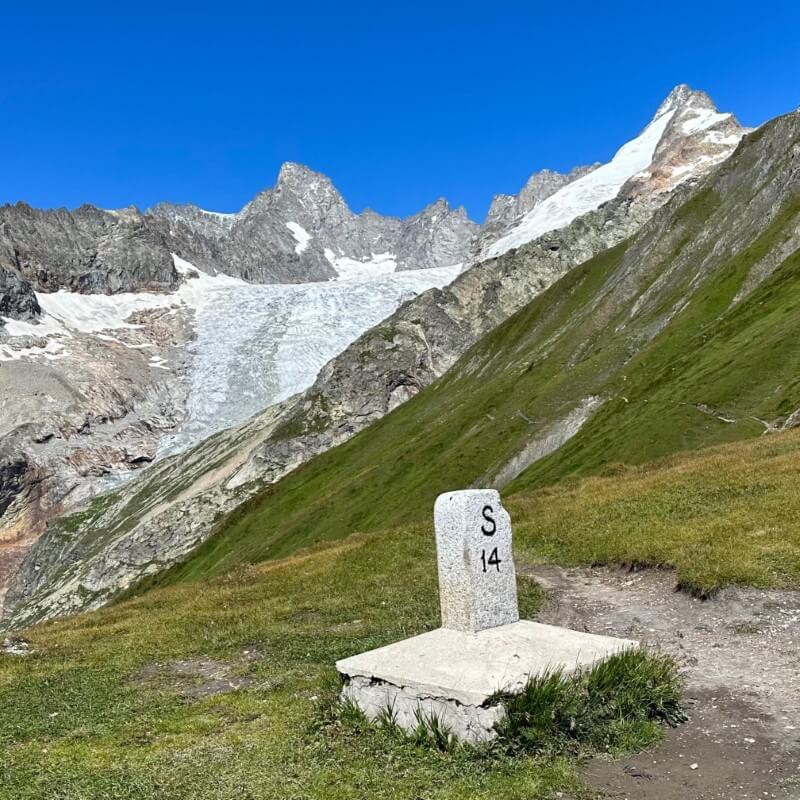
(477, 582)
(455, 672)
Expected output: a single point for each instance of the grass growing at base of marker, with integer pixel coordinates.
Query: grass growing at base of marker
(620, 705)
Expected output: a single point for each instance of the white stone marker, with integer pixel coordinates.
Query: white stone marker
(482, 648)
(477, 581)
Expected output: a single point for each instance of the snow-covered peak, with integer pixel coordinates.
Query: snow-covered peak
(682, 95)
(698, 138)
(589, 192)
(686, 137)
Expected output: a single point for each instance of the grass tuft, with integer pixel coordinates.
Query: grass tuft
(618, 706)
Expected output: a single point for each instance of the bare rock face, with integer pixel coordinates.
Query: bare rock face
(71, 426)
(697, 138)
(436, 237)
(17, 298)
(12, 473)
(87, 250)
(292, 233)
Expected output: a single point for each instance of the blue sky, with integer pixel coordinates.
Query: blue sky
(399, 104)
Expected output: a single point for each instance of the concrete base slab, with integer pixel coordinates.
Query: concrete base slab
(456, 675)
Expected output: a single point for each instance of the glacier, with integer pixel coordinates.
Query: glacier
(259, 344)
(254, 344)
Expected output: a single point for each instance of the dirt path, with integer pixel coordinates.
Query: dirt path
(740, 655)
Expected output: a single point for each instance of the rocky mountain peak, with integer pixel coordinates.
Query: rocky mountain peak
(685, 139)
(300, 195)
(436, 209)
(508, 209)
(696, 138)
(682, 96)
(304, 183)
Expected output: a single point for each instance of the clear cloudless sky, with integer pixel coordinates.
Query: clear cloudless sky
(399, 103)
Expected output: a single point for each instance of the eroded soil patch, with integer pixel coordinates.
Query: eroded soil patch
(197, 678)
(740, 655)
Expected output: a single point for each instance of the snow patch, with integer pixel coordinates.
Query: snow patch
(52, 350)
(717, 137)
(158, 363)
(589, 192)
(703, 118)
(350, 269)
(223, 215)
(66, 313)
(301, 236)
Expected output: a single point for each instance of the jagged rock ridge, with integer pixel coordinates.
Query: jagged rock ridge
(686, 137)
(301, 230)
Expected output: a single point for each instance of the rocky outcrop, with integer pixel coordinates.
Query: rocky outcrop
(301, 227)
(86, 250)
(72, 425)
(697, 138)
(17, 298)
(12, 472)
(436, 237)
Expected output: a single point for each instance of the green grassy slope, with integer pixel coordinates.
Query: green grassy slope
(721, 515)
(653, 328)
(742, 360)
(118, 703)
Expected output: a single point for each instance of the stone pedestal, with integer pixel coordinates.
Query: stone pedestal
(456, 672)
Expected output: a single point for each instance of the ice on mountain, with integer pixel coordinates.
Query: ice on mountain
(703, 118)
(589, 192)
(301, 235)
(254, 345)
(257, 344)
(349, 269)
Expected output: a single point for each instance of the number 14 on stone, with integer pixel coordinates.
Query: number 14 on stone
(477, 582)
(494, 559)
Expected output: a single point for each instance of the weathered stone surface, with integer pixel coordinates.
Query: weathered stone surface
(85, 250)
(17, 298)
(477, 581)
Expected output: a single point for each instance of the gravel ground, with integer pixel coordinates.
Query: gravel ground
(740, 655)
